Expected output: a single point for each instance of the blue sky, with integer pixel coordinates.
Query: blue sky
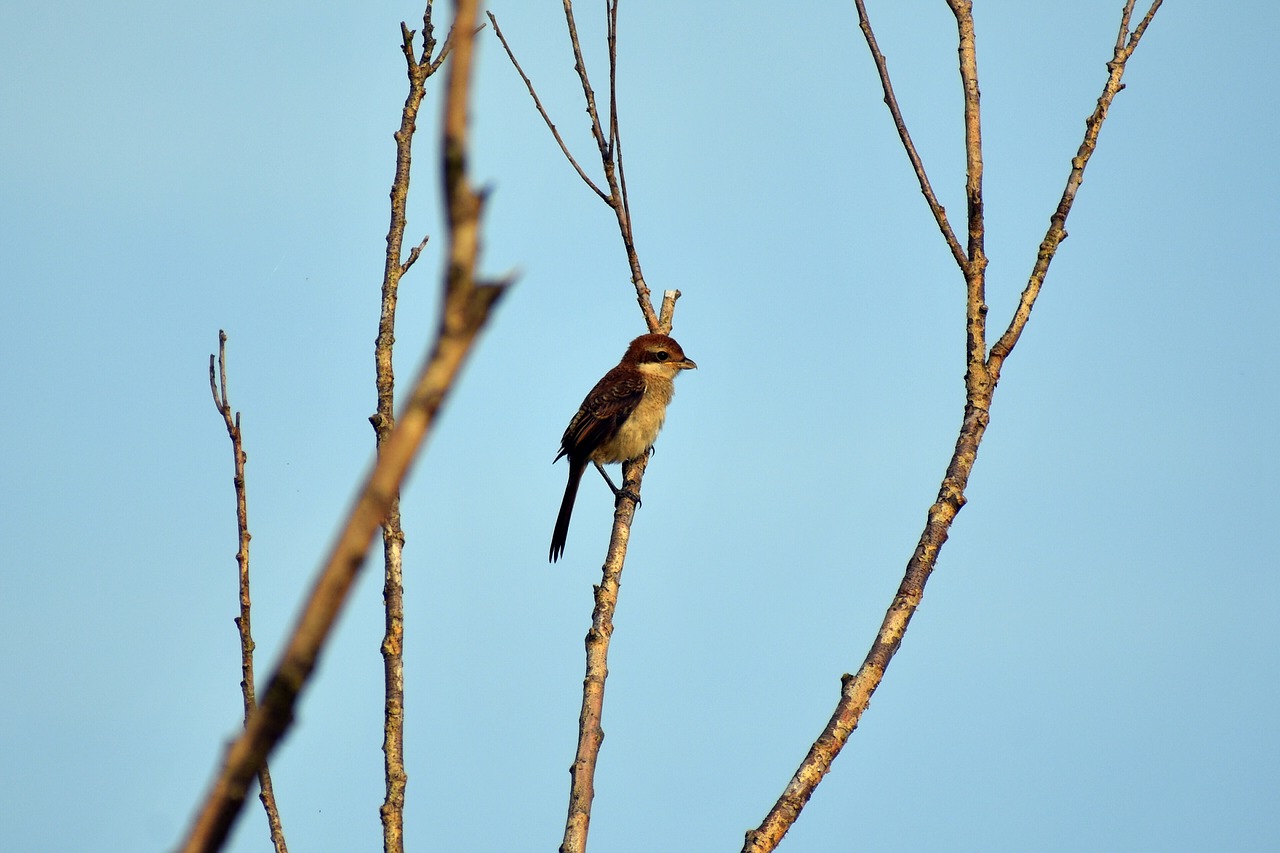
(1094, 664)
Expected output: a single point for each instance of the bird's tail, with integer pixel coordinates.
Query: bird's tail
(561, 532)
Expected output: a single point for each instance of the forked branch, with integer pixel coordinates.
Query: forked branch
(467, 304)
(1126, 44)
(980, 381)
(418, 69)
(609, 146)
(891, 101)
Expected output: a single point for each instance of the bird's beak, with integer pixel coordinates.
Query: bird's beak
(688, 364)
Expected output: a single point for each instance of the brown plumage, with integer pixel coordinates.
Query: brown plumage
(621, 417)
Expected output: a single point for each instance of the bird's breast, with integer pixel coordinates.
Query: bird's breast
(639, 431)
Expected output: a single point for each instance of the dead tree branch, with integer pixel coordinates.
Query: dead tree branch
(418, 69)
(981, 377)
(218, 385)
(467, 305)
(609, 147)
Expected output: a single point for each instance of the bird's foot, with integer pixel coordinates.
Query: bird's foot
(619, 494)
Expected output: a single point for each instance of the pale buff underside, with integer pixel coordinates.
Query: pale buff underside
(640, 431)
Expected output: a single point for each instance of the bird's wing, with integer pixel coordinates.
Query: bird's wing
(603, 411)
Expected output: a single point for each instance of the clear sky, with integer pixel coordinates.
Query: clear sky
(1095, 663)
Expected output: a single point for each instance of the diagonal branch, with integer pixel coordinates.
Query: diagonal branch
(588, 94)
(467, 304)
(980, 383)
(891, 101)
(1126, 43)
(537, 102)
(610, 148)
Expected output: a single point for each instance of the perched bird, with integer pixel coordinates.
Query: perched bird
(620, 419)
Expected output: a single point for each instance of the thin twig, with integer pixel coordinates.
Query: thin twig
(467, 305)
(588, 94)
(266, 793)
(610, 148)
(537, 102)
(414, 254)
(891, 101)
(980, 382)
(1126, 43)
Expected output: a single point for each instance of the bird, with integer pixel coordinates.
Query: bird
(619, 419)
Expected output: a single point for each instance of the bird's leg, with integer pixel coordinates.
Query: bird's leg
(618, 494)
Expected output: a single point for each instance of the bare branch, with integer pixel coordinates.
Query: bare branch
(610, 149)
(1125, 46)
(418, 69)
(537, 102)
(615, 130)
(975, 270)
(980, 383)
(590, 729)
(891, 101)
(266, 793)
(588, 94)
(467, 304)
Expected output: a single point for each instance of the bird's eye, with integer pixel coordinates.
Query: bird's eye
(662, 355)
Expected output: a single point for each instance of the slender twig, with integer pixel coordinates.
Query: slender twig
(980, 382)
(609, 147)
(667, 317)
(891, 101)
(588, 94)
(218, 385)
(414, 254)
(1126, 43)
(537, 102)
(615, 130)
(418, 69)
(467, 305)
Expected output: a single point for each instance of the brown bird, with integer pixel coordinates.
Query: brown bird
(620, 419)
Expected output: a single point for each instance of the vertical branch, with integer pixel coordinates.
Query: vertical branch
(980, 382)
(218, 385)
(467, 306)
(975, 272)
(615, 130)
(590, 727)
(383, 421)
(590, 730)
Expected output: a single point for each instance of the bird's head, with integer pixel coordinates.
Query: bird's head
(658, 354)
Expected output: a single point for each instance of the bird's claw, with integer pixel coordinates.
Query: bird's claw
(625, 493)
